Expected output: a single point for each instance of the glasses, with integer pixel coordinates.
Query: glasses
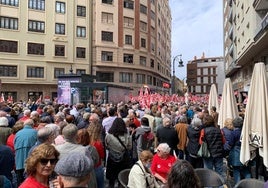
(51, 161)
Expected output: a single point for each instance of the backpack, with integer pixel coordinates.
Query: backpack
(147, 141)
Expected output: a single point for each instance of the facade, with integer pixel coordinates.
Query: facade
(245, 39)
(132, 43)
(203, 72)
(122, 42)
(40, 40)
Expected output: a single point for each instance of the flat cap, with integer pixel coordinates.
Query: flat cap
(74, 165)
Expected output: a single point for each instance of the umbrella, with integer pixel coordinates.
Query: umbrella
(228, 107)
(213, 98)
(255, 127)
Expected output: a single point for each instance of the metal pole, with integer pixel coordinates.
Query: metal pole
(173, 75)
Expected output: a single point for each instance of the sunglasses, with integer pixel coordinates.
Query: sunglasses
(51, 161)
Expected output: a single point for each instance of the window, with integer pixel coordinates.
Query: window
(128, 4)
(80, 52)
(107, 2)
(153, 2)
(128, 22)
(60, 7)
(81, 32)
(35, 72)
(10, 2)
(142, 60)
(125, 77)
(106, 56)
(140, 78)
(59, 50)
(9, 23)
(105, 76)
(143, 26)
(128, 39)
(149, 80)
(80, 71)
(58, 71)
(152, 63)
(8, 70)
(36, 4)
(35, 48)
(152, 47)
(143, 42)
(81, 11)
(8, 46)
(143, 9)
(107, 17)
(128, 58)
(36, 26)
(60, 29)
(152, 15)
(107, 36)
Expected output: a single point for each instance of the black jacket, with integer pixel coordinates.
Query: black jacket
(214, 139)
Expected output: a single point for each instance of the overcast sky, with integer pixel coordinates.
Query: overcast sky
(197, 27)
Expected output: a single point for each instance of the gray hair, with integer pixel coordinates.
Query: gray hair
(55, 128)
(166, 122)
(69, 132)
(196, 122)
(44, 133)
(34, 114)
(164, 147)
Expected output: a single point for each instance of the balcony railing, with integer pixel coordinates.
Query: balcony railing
(260, 5)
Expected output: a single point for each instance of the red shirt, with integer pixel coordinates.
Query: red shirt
(31, 182)
(162, 166)
(10, 142)
(100, 149)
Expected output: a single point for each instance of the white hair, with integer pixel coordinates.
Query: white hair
(164, 147)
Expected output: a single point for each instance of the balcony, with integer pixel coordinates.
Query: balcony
(260, 5)
(232, 68)
(264, 22)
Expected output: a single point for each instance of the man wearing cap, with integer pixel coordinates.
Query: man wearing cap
(74, 170)
(70, 146)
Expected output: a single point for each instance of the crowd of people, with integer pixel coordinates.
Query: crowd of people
(81, 145)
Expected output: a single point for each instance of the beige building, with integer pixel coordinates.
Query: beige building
(245, 39)
(132, 43)
(41, 39)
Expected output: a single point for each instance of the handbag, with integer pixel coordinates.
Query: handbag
(203, 150)
(127, 161)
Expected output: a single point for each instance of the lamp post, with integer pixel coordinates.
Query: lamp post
(173, 76)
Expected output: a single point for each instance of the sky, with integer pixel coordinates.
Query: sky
(197, 27)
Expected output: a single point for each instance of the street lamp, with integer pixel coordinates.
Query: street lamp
(180, 65)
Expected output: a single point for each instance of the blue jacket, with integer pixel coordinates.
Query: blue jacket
(23, 142)
(234, 156)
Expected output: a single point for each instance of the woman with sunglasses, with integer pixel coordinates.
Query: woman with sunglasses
(39, 166)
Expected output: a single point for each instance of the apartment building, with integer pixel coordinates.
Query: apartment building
(203, 72)
(132, 43)
(39, 40)
(245, 39)
(122, 42)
